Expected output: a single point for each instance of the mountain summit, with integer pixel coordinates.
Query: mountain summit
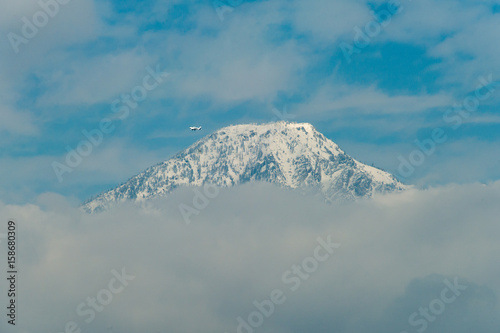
(291, 155)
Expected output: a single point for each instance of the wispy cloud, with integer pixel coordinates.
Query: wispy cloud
(340, 99)
(17, 122)
(263, 53)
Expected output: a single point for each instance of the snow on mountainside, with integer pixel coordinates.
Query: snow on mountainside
(290, 155)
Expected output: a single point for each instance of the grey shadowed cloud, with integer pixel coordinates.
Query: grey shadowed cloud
(395, 253)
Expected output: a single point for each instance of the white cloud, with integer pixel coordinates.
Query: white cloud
(12, 120)
(231, 62)
(334, 100)
(441, 18)
(474, 50)
(460, 33)
(17, 122)
(238, 63)
(73, 23)
(96, 80)
(460, 161)
(327, 20)
(110, 163)
(14, 10)
(203, 276)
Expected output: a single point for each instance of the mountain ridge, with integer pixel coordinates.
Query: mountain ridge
(288, 154)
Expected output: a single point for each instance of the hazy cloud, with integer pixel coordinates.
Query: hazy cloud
(396, 252)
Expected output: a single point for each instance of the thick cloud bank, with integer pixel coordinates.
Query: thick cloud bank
(259, 259)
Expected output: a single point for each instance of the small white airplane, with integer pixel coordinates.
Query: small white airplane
(193, 128)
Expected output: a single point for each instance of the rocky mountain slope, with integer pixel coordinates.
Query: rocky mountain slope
(291, 155)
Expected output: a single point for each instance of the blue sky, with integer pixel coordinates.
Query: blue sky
(417, 95)
(236, 63)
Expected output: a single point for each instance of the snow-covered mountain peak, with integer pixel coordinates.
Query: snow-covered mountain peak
(291, 155)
